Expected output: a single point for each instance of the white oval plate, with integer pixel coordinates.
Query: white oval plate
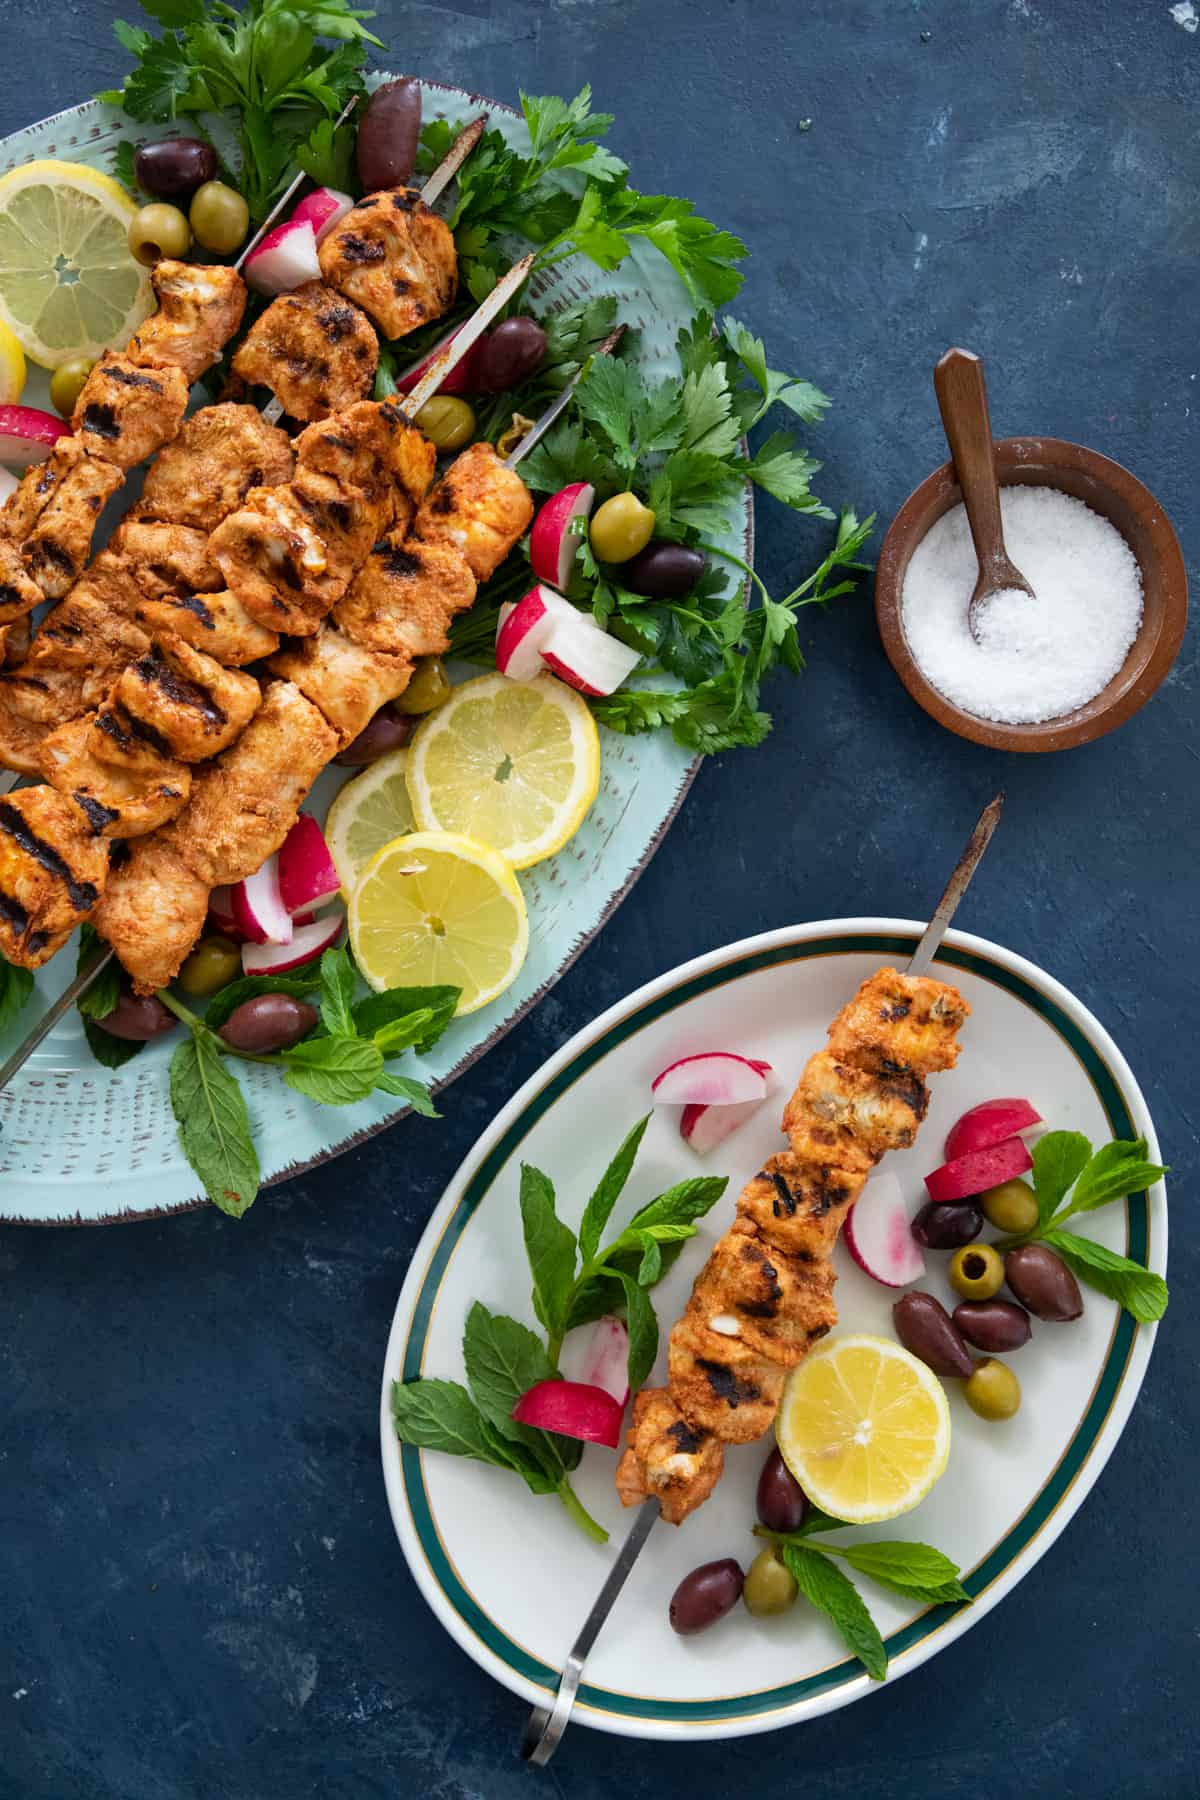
(508, 1574)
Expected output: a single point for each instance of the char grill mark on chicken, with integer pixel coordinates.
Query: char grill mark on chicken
(125, 412)
(52, 867)
(479, 508)
(221, 452)
(765, 1296)
(315, 351)
(395, 258)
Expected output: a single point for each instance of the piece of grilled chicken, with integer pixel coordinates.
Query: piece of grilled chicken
(765, 1295)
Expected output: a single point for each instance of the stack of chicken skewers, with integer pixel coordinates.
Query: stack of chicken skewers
(276, 536)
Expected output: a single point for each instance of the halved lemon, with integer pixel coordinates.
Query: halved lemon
(512, 764)
(69, 284)
(433, 908)
(367, 813)
(865, 1428)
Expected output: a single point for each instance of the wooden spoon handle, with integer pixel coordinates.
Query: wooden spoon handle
(962, 400)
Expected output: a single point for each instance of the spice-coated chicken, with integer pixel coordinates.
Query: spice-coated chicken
(52, 867)
(126, 412)
(479, 507)
(765, 1296)
(395, 258)
(316, 352)
(221, 452)
(52, 515)
(199, 309)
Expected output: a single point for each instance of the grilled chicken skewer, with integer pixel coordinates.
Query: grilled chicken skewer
(840, 1123)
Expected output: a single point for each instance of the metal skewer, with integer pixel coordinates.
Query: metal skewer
(547, 1723)
(297, 181)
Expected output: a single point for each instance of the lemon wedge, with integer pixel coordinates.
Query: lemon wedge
(69, 284)
(865, 1428)
(12, 367)
(433, 908)
(367, 813)
(515, 765)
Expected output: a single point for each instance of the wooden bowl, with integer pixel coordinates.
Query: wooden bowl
(1119, 497)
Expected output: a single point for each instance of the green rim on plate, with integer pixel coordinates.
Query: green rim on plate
(995, 1563)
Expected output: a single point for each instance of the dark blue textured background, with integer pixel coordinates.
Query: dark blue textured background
(200, 1591)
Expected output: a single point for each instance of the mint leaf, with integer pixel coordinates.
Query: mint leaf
(1141, 1293)
(214, 1126)
(504, 1359)
(550, 1247)
(642, 1326)
(441, 1415)
(338, 982)
(1058, 1158)
(99, 999)
(337, 1071)
(403, 1033)
(404, 1088)
(609, 1188)
(650, 1267)
(1117, 1169)
(378, 1011)
(911, 1569)
(834, 1594)
(16, 985)
(682, 1204)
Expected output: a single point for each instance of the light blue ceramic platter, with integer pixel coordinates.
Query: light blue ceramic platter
(84, 1145)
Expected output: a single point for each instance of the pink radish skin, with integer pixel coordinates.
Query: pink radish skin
(704, 1127)
(573, 1409)
(713, 1078)
(599, 1358)
(286, 259)
(307, 877)
(523, 631)
(456, 382)
(989, 1124)
(28, 435)
(553, 546)
(583, 656)
(322, 210)
(308, 942)
(220, 911)
(878, 1233)
(969, 1175)
(258, 909)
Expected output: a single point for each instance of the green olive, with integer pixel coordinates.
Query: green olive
(976, 1272)
(156, 231)
(993, 1391)
(66, 383)
(447, 422)
(219, 217)
(770, 1587)
(620, 528)
(1011, 1207)
(213, 964)
(428, 689)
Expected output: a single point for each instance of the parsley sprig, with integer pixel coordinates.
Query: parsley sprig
(576, 1279)
(1070, 1178)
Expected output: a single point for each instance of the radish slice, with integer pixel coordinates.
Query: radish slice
(456, 382)
(553, 546)
(8, 484)
(704, 1127)
(599, 1358)
(258, 909)
(878, 1233)
(322, 210)
(286, 259)
(573, 1409)
(524, 629)
(308, 941)
(982, 1169)
(587, 658)
(220, 911)
(715, 1078)
(28, 435)
(989, 1124)
(307, 877)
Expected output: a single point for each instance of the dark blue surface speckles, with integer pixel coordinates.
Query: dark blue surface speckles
(200, 1592)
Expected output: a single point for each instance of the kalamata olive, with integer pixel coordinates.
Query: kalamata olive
(992, 1390)
(663, 571)
(174, 168)
(138, 1018)
(508, 356)
(770, 1586)
(388, 730)
(268, 1022)
(214, 963)
(925, 1327)
(620, 528)
(219, 217)
(992, 1324)
(1011, 1207)
(705, 1596)
(949, 1226)
(158, 230)
(389, 136)
(1043, 1283)
(976, 1272)
(781, 1503)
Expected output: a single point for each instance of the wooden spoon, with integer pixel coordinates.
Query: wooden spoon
(962, 400)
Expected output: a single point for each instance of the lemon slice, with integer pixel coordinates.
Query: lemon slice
(12, 367)
(367, 813)
(865, 1428)
(512, 764)
(69, 284)
(433, 908)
